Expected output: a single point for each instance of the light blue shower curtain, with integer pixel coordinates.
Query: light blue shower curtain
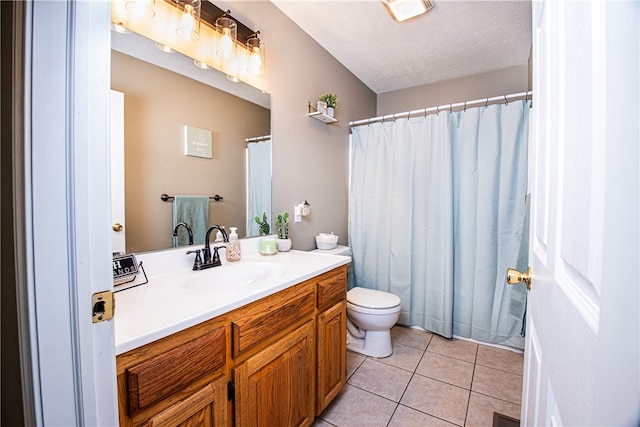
(437, 207)
(258, 183)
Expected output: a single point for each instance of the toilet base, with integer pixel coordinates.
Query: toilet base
(375, 344)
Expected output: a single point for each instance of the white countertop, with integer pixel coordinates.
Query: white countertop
(175, 300)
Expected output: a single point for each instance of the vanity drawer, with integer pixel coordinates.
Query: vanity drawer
(332, 288)
(167, 373)
(250, 330)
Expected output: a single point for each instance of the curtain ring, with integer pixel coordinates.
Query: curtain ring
(437, 110)
(486, 103)
(451, 108)
(506, 101)
(465, 106)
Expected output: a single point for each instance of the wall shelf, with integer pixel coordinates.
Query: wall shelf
(319, 115)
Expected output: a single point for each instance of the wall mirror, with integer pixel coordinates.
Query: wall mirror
(163, 93)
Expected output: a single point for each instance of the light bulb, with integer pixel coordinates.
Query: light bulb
(255, 61)
(226, 44)
(187, 23)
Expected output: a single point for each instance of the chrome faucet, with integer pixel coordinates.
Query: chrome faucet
(209, 261)
(186, 226)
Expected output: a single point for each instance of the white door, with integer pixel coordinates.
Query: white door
(71, 367)
(118, 230)
(581, 355)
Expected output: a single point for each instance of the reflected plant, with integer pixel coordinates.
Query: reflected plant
(263, 224)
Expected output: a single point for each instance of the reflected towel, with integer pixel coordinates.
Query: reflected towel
(194, 210)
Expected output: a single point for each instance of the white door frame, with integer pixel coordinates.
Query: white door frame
(67, 209)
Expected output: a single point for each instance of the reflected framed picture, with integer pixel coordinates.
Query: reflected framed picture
(197, 142)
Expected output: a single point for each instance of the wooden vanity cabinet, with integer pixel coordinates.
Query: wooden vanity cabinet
(280, 360)
(331, 337)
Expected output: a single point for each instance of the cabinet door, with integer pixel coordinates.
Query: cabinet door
(207, 408)
(332, 354)
(275, 387)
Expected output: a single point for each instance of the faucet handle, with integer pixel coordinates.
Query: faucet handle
(197, 263)
(216, 256)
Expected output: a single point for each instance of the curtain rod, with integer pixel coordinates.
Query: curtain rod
(464, 105)
(258, 138)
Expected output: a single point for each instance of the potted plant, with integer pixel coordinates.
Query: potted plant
(267, 245)
(282, 227)
(331, 100)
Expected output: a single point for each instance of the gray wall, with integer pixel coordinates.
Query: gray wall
(502, 82)
(310, 158)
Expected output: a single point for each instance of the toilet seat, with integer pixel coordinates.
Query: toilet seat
(370, 300)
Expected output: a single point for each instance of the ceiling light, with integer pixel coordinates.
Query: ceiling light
(401, 10)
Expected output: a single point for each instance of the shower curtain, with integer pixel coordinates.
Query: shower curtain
(436, 216)
(258, 183)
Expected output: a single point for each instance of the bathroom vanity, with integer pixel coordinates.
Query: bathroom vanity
(267, 348)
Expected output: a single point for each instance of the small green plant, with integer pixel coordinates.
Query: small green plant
(263, 223)
(330, 98)
(282, 225)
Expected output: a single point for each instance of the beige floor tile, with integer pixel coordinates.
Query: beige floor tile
(446, 369)
(358, 408)
(498, 384)
(481, 409)
(436, 398)
(497, 358)
(411, 337)
(353, 361)
(404, 357)
(408, 417)
(381, 379)
(459, 349)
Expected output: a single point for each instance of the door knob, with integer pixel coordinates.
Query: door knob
(514, 276)
(117, 227)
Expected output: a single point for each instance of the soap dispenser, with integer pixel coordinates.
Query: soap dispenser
(233, 247)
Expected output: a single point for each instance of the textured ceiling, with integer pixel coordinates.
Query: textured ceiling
(455, 39)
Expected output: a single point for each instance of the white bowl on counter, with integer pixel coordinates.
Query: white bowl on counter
(326, 241)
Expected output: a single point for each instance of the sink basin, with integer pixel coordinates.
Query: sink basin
(231, 276)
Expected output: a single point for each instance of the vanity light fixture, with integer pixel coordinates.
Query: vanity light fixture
(256, 54)
(228, 37)
(189, 28)
(220, 42)
(401, 10)
(163, 47)
(200, 64)
(141, 8)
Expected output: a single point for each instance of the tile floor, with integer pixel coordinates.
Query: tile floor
(427, 381)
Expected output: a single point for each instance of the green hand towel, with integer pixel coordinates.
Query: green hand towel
(194, 210)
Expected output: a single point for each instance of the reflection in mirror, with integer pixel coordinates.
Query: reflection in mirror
(158, 104)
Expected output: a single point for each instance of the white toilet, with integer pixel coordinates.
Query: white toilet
(370, 315)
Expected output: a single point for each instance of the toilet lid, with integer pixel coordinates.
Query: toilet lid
(371, 298)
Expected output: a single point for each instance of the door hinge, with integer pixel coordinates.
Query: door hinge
(231, 391)
(103, 306)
